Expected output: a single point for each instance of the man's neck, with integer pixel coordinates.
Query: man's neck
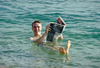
(39, 35)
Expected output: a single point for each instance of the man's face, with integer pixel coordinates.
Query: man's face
(37, 28)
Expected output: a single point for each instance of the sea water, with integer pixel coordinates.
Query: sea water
(83, 30)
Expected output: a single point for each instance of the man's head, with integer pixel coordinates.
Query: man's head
(37, 27)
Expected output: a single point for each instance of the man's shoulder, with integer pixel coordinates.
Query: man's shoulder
(33, 38)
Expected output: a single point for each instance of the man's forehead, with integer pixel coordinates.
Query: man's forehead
(36, 24)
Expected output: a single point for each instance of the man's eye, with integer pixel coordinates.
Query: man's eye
(34, 27)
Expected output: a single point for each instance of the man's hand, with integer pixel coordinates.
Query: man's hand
(47, 29)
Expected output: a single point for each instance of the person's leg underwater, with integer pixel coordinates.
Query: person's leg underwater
(64, 51)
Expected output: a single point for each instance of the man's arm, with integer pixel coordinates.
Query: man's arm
(40, 40)
(61, 37)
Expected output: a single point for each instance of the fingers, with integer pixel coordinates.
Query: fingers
(47, 26)
(47, 29)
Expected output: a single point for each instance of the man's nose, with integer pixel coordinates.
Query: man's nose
(36, 28)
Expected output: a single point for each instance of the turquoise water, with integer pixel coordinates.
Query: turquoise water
(83, 30)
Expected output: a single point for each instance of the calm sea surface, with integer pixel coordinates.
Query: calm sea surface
(83, 30)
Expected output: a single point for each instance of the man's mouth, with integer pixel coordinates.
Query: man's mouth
(36, 31)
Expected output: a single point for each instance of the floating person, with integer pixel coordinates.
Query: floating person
(38, 38)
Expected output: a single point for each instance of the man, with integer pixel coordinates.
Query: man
(38, 38)
(36, 27)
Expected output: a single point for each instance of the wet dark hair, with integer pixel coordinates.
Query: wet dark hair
(36, 22)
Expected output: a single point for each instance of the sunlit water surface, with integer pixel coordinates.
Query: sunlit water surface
(83, 30)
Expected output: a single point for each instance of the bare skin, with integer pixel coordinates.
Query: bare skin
(64, 51)
(38, 38)
(37, 31)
